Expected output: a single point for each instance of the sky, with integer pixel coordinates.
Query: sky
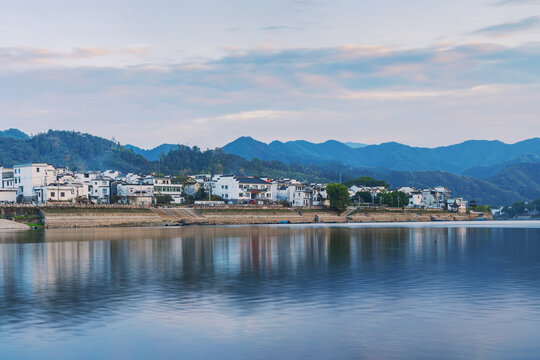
(420, 72)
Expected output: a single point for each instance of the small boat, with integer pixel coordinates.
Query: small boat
(284, 222)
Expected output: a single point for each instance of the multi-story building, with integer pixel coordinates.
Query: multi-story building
(29, 176)
(165, 185)
(243, 189)
(8, 194)
(6, 178)
(136, 194)
(101, 190)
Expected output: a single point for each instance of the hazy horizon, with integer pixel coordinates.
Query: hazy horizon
(423, 74)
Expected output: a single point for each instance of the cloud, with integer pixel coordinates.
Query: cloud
(21, 56)
(246, 116)
(291, 93)
(503, 29)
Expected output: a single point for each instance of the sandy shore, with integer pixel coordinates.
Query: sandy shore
(12, 225)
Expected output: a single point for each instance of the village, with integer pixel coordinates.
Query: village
(41, 183)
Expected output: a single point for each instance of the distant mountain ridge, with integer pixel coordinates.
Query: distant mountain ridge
(355, 145)
(468, 157)
(152, 154)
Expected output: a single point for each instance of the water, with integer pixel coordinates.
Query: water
(272, 292)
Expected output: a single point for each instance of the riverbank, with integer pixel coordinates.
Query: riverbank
(8, 225)
(123, 216)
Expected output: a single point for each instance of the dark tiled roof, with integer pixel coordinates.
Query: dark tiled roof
(250, 180)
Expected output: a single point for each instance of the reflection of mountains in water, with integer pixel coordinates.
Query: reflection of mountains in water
(72, 276)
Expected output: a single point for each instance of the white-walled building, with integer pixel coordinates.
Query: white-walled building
(101, 190)
(29, 176)
(136, 194)
(56, 193)
(243, 189)
(456, 205)
(164, 186)
(6, 178)
(416, 199)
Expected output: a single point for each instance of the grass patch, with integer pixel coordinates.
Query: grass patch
(35, 225)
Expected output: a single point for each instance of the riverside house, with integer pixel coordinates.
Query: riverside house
(243, 189)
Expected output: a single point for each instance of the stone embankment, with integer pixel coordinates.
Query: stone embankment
(99, 217)
(111, 216)
(281, 215)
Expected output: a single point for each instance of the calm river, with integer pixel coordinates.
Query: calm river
(434, 291)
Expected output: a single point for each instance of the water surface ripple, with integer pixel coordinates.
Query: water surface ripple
(272, 292)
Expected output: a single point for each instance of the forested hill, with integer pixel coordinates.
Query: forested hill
(75, 150)
(80, 151)
(13, 133)
(86, 152)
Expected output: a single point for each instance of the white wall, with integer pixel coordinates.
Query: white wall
(33, 175)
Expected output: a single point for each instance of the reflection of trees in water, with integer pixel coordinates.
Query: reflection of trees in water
(51, 278)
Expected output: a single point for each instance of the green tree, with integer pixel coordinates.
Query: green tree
(367, 181)
(534, 205)
(517, 208)
(338, 194)
(365, 196)
(483, 208)
(392, 199)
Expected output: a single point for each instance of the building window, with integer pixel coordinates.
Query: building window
(53, 194)
(62, 194)
(37, 169)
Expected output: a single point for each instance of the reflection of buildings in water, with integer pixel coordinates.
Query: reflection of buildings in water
(73, 272)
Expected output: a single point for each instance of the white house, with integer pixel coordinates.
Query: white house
(436, 197)
(319, 196)
(137, 194)
(301, 195)
(415, 196)
(101, 190)
(6, 178)
(456, 205)
(243, 189)
(165, 186)
(29, 176)
(57, 193)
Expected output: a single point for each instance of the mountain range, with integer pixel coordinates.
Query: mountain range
(490, 172)
(479, 158)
